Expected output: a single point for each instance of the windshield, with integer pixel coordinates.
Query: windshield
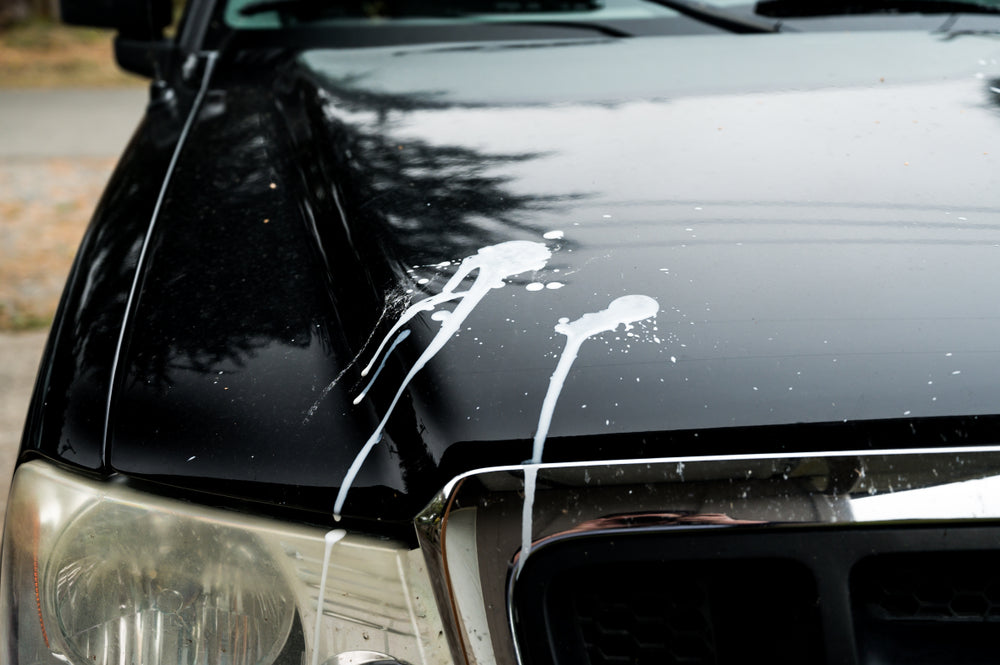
(270, 14)
(242, 13)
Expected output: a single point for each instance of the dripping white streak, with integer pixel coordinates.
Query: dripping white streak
(527, 518)
(403, 335)
(425, 305)
(625, 310)
(494, 264)
(414, 624)
(331, 539)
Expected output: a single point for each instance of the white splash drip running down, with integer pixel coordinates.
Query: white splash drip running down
(625, 310)
(332, 538)
(494, 264)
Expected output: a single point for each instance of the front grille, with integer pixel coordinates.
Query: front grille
(871, 596)
(929, 586)
(691, 612)
(928, 607)
(627, 624)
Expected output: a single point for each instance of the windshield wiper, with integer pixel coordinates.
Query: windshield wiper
(265, 6)
(720, 18)
(416, 8)
(806, 8)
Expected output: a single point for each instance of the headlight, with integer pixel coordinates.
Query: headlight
(126, 584)
(100, 574)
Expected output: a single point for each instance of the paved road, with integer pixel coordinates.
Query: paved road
(80, 128)
(68, 123)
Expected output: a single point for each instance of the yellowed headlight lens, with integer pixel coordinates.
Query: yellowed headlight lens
(132, 585)
(97, 573)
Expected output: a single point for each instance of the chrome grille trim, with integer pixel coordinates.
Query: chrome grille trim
(747, 492)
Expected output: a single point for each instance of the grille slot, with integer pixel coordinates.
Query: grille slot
(920, 595)
(622, 626)
(928, 607)
(938, 586)
(685, 612)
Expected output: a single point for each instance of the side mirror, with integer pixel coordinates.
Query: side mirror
(136, 19)
(139, 46)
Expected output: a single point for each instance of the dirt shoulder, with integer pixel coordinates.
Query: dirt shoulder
(45, 55)
(45, 210)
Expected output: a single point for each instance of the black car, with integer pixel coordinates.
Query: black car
(541, 332)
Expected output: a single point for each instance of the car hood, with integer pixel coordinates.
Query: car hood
(566, 251)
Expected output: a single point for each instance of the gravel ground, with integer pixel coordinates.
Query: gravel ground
(45, 204)
(57, 149)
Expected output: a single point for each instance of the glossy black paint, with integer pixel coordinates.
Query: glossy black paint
(67, 416)
(816, 215)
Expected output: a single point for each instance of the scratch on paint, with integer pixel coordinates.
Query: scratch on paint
(625, 310)
(494, 264)
(392, 301)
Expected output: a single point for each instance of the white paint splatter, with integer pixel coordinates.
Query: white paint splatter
(553, 235)
(624, 310)
(494, 264)
(535, 286)
(425, 305)
(331, 539)
(552, 286)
